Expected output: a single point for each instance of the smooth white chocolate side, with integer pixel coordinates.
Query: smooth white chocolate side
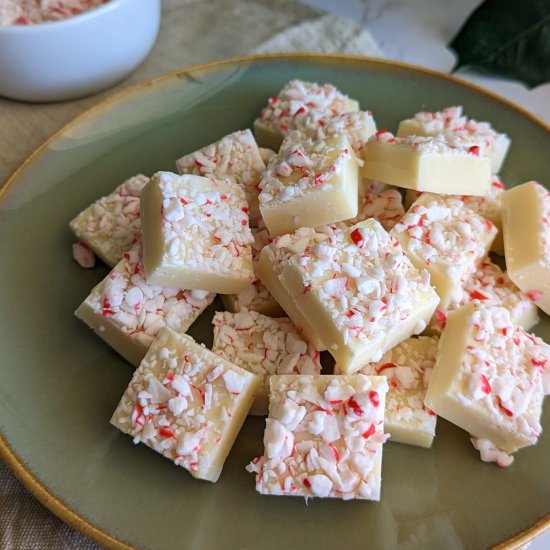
(196, 234)
(127, 312)
(425, 164)
(323, 437)
(186, 403)
(490, 377)
(263, 346)
(359, 292)
(526, 225)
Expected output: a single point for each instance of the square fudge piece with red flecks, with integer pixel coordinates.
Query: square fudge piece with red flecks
(323, 437)
(186, 403)
(196, 234)
(127, 312)
(359, 292)
(439, 234)
(309, 183)
(235, 157)
(298, 106)
(112, 224)
(264, 346)
(490, 377)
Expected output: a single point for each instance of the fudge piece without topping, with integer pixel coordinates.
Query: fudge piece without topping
(323, 437)
(436, 164)
(359, 292)
(112, 224)
(408, 367)
(451, 122)
(439, 234)
(309, 183)
(235, 157)
(299, 106)
(526, 227)
(490, 377)
(127, 312)
(263, 346)
(196, 234)
(492, 286)
(186, 403)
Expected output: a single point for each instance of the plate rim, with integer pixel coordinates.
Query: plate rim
(19, 468)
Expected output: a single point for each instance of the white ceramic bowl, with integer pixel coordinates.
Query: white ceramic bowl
(78, 56)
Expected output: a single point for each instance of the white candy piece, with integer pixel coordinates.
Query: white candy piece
(451, 122)
(255, 297)
(309, 183)
(112, 224)
(526, 226)
(235, 157)
(359, 293)
(127, 312)
(489, 206)
(196, 234)
(490, 377)
(186, 403)
(448, 240)
(299, 106)
(408, 369)
(323, 437)
(263, 346)
(492, 286)
(435, 164)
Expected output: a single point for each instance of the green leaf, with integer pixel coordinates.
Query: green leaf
(510, 38)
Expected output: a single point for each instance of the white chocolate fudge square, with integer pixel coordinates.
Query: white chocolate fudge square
(492, 286)
(270, 264)
(127, 312)
(112, 224)
(360, 293)
(408, 367)
(255, 297)
(439, 234)
(235, 157)
(451, 121)
(263, 346)
(358, 127)
(323, 437)
(526, 227)
(309, 183)
(186, 403)
(299, 106)
(489, 206)
(435, 164)
(196, 234)
(490, 377)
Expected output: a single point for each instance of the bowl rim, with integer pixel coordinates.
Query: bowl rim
(80, 18)
(16, 464)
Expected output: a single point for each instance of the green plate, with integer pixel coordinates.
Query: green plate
(60, 384)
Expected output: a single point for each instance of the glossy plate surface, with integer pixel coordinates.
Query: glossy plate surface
(60, 384)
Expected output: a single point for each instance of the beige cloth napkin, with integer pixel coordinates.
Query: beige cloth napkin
(191, 32)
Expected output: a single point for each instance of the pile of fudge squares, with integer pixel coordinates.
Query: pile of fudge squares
(309, 244)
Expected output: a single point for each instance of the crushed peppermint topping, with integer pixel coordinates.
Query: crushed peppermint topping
(492, 286)
(303, 165)
(504, 372)
(264, 346)
(205, 224)
(33, 12)
(140, 310)
(407, 367)
(489, 452)
(112, 224)
(301, 105)
(235, 157)
(181, 402)
(323, 437)
(83, 256)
